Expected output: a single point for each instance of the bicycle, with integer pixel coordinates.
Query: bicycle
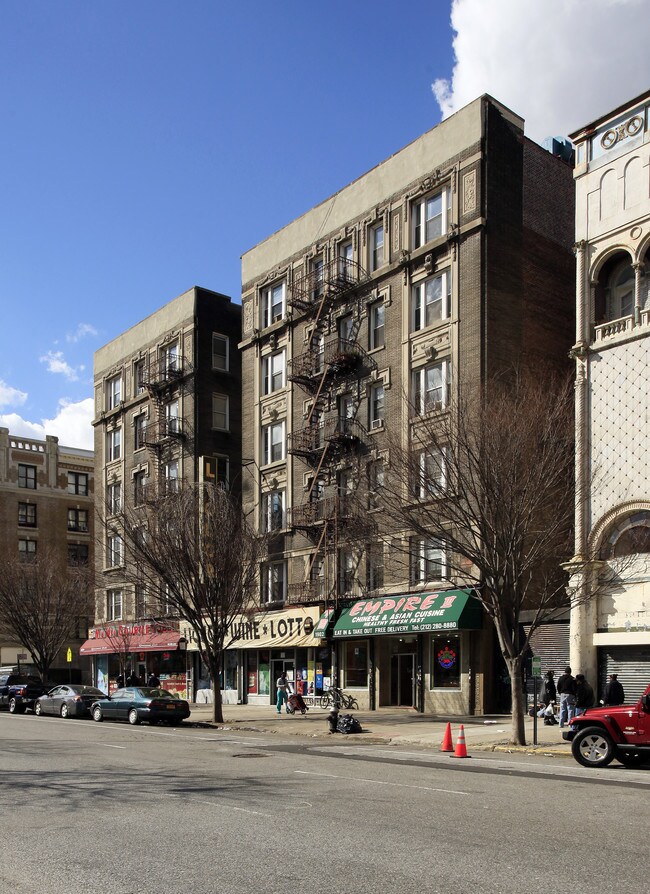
(336, 698)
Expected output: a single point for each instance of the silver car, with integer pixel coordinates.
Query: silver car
(68, 700)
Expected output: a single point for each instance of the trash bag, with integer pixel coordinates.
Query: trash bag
(348, 724)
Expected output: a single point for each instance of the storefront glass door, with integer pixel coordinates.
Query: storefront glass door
(277, 666)
(402, 680)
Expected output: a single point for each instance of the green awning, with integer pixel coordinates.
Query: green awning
(321, 628)
(412, 613)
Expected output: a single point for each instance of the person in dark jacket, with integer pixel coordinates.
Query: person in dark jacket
(585, 697)
(614, 693)
(153, 681)
(548, 692)
(566, 687)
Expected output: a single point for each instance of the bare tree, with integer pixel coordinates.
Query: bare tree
(490, 479)
(197, 555)
(42, 603)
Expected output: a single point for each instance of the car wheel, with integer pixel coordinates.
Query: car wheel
(592, 747)
(97, 714)
(15, 708)
(65, 711)
(38, 710)
(632, 758)
(134, 718)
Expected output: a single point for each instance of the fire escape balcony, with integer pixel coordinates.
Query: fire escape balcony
(338, 358)
(345, 435)
(306, 442)
(306, 591)
(333, 281)
(165, 374)
(164, 431)
(316, 513)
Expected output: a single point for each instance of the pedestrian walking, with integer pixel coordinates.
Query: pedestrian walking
(585, 697)
(283, 689)
(119, 681)
(614, 692)
(153, 681)
(133, 679)
(566, 687)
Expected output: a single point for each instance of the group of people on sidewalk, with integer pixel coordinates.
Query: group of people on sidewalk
(576, 695)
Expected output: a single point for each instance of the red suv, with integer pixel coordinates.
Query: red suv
(620, 731)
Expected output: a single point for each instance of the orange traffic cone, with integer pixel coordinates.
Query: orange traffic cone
(461, 750)
(447, 743)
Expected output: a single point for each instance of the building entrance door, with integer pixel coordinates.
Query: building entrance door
(402, 680)
(277, 666)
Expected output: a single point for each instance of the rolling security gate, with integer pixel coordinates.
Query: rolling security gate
(631, 663)
(551, 643)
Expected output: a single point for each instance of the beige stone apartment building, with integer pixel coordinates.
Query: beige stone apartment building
(611, 633)
(446, 263)
(46, 502)
(167, 409)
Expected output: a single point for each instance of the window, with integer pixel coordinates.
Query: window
(431, 388)
(376, 477)
(345, 329)
(113, 445)
(140, 601)
(220, 352)
(273, 304)
(220, 412)
(139, 488)
(274, 582)
(430, 473)
(113, 392)
(78, 483)
(376, 332)
(345, 261)
(171, 476)
(445, 657)
(377, 406)
(172, 420)
(273, 511)
(346, 571)
(138, 377)
(428, 560)
(346, 406)
(139, 431)
(273, 443)
(317, 270)
(114, 551)
(375, 568)
(114, 498)
(620, 292)
(356, 664)
(171, 358)
(431, 301)
(27, 550)
(78, 520)
(27, 515)
(27, 476)
(77, 554)
(431, 217)
(273, 369)
(114, 605)
(317, 577)
(376, 245)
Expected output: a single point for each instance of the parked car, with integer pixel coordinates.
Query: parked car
(19, 692)
(620, 732)
(68, 700)
(138, 703)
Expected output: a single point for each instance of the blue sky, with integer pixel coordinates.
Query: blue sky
(147, 145)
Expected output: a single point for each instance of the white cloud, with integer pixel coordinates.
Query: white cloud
(71, 425)
(11, 397)
(56, 363)
(557, 63)
(82, 330)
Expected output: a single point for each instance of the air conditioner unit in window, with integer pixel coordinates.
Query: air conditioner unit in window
(377, 423)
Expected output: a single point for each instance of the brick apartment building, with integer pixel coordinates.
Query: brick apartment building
(446, 263)
(167, 409)
(46, 502)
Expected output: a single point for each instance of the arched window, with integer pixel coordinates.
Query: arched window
(620, 291)
(629, 537)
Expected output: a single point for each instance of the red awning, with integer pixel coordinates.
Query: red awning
(144, 642)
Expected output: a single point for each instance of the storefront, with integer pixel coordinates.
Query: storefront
(141, 648)
(412, 651)
(263, 645)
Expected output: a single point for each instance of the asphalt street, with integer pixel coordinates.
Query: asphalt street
(89, 808)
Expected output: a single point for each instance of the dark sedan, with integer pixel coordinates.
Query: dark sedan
(69, 700)
(138, 703)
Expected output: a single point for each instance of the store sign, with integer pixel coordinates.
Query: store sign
(145, 628)
(293, 628)
(412, 613)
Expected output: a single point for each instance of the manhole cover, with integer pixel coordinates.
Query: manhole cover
(248, 754)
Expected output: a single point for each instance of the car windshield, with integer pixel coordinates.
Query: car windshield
(22, 680)
(155, 693)
(89, 690)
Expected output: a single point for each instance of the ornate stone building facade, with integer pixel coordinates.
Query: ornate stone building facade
(445, 264)
(611, 632)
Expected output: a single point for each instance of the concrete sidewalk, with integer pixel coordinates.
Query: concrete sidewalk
(389, 726)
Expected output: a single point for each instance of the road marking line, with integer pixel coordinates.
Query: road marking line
(424, 788)
(105, 745)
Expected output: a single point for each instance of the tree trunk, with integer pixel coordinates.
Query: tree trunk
(217, 705)
(518, 733)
